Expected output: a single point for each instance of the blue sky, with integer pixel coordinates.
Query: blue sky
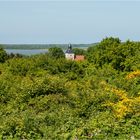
(58, 21)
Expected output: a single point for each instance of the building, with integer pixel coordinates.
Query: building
(69, 53)
(79, 58)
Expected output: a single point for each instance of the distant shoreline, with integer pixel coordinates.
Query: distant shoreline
(44, 46)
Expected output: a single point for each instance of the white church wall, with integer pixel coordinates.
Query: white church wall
(69, 56)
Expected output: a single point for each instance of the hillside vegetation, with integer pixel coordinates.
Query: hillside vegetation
(48, 97)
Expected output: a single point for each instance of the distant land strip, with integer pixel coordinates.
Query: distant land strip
(44, 46)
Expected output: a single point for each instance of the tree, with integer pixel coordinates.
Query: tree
(109, 42)
(3, 55)
(56, 52)
(78, 51)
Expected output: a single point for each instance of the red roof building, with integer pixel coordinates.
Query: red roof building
(79, 58)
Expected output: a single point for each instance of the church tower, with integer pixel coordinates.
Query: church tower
(69, 53)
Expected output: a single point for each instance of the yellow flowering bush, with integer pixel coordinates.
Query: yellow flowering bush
(125, 105)
(133, 74)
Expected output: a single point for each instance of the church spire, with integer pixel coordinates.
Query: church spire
(70, 46)
(69, 53)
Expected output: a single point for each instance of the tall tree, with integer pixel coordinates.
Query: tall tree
(78, 51)
(3, 55)
(56, 52)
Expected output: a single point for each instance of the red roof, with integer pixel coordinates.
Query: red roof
(79, 57)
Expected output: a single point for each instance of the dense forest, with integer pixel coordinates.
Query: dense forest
(50, 98)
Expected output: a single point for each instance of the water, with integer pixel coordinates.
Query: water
(26, 52)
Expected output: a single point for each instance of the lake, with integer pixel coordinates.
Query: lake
(26, 52)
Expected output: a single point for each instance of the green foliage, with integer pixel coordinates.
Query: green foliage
(12, 55)
(46, 98)
(78, 51)
(121, 56)
(3, 55)
(108, 43)
(56, 52)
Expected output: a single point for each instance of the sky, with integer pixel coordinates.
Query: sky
(68, 21)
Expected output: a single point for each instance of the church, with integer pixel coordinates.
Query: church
(69, 54)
